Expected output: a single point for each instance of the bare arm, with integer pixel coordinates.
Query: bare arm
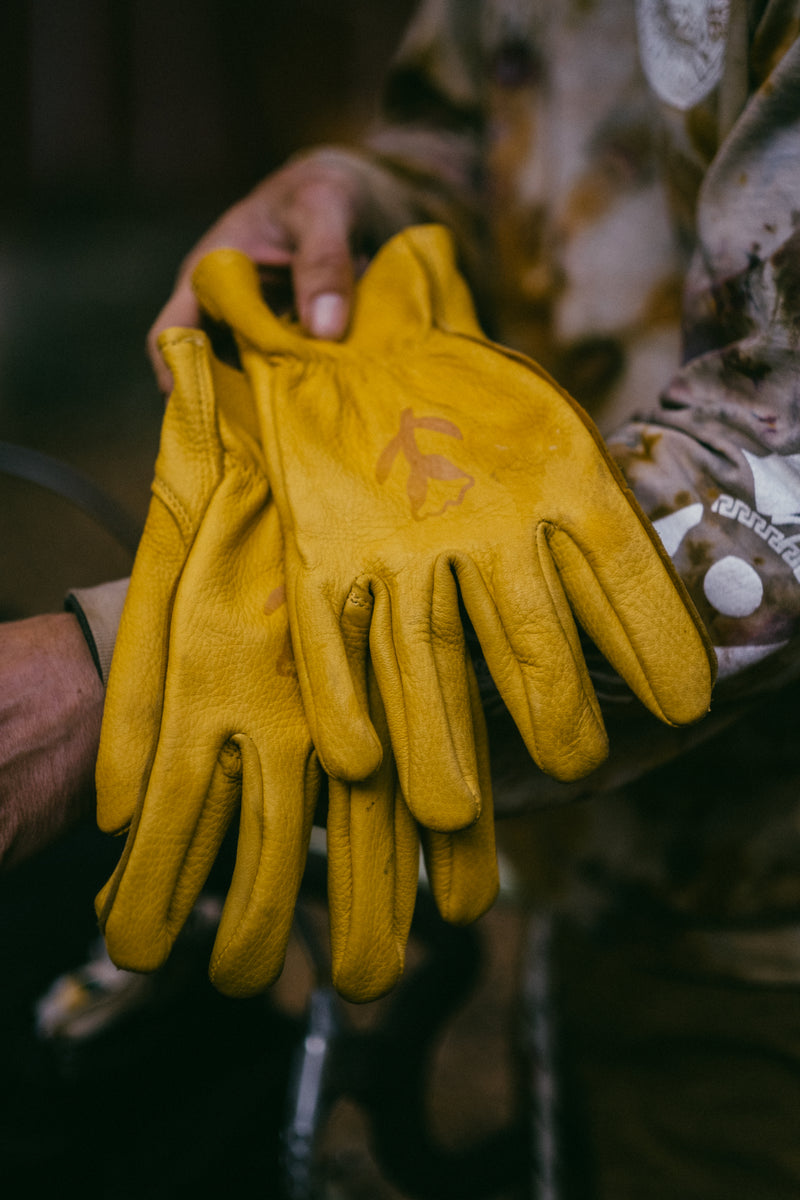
(51, 705)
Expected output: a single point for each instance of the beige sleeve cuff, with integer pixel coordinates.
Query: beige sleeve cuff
(98, 610)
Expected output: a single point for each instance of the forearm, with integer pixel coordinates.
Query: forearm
(51, 704)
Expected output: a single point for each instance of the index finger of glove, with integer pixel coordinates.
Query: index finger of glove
(169, 851)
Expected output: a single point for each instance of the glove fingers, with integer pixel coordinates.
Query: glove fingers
(145, 904)
(462, 867)
(330, 648)
(411, 283)
(188, 471)
(227, 285)
(421, 663)
(531, 646)
(373, 866)
(636, 611)
(277, 810)
(135, 693)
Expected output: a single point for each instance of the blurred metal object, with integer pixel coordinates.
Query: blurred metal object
(307, 1094)
(541, 1043)
(65, 481)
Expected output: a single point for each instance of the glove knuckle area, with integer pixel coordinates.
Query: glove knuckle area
(230, 760)
(356, 617)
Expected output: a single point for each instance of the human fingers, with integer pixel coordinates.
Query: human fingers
(302, 216)
(247, 226)
(320, 218)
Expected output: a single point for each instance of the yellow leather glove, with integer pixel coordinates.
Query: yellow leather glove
(461, 867)
(203, 719)
(417, 453)
(202, 706)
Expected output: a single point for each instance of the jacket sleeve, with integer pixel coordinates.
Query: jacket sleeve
(431, 133)
(716, 465)
(423, 157)
(716, 462)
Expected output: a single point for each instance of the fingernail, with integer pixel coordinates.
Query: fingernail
(328, 315)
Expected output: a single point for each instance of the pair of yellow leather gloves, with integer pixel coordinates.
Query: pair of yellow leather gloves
(294, 608)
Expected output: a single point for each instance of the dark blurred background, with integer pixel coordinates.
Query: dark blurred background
(128, 126)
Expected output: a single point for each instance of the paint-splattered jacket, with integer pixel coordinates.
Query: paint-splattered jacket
(624, 179)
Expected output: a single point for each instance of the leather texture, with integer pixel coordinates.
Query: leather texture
(204, 720)
(416, 462)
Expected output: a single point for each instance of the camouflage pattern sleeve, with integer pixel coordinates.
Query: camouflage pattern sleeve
(514, 125)
(628, 174)
(431, 133)
(717, 465)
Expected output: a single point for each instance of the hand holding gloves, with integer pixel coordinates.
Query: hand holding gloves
(295, 602)
(417, 461)
(204, 720)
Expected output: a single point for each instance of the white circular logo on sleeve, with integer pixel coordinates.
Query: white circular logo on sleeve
(733, 587)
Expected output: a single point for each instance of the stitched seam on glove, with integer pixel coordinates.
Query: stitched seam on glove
(176, 509)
